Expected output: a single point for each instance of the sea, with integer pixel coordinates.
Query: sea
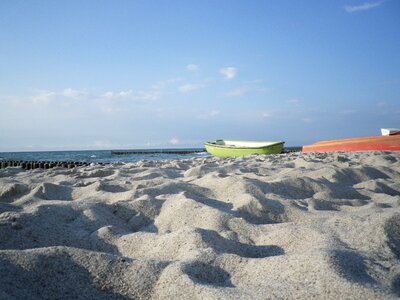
(104, 156)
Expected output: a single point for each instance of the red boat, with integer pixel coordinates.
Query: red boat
(373, 143)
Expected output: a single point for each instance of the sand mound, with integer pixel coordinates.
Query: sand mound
(280, 226)
(70, 273)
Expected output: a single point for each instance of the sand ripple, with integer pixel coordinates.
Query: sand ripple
(281, 226)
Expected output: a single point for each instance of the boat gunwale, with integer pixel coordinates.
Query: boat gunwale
(374, 143)
(213, 144)
(367, 139)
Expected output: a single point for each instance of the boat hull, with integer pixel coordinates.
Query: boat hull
(230, 151)
(390, 131)
(373, 143)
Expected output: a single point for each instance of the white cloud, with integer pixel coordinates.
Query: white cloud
(116, 102)
(246, 89)
(152, 144)
(174, 141)
(189, 87)
(241, 91)
(147, 96)
(109, 108)
(7, 100)
(294, 101)
(70, 93)
(362, 7)
(48, 96)
(125, 94)
(102, 144)
(43, 97)
(108, 102)
(214, 113)
(108, 95)
(229, 72)
(192, 67)
(164, 83)
(113, 95)
(130, 95)
(210, 114)
(266, 115)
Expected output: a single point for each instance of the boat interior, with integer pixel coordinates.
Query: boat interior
(246, 144)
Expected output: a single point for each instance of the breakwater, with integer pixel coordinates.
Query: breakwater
(100, 156)
(161, 151)
(292, 149)
(29, 165)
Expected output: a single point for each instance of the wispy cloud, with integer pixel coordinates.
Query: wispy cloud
(186, 88)
(192, 67)
(229, 72)
(294, 101)
(307, 120)
(362, 7)
(110, 102)
(245, 90)
(381, 104)
(115, 102)
(209, 114)
(71, 93)
(147, 96)
(238, 92)
(174, 141)
(117, 95)
(348, 112)
(266, 115)
(46, 96)
(43, 97)
(391, 82)
(102, 145)
(165, 83)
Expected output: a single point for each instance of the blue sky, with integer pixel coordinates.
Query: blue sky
(148, 74)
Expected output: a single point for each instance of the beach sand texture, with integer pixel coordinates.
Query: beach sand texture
(294, 225)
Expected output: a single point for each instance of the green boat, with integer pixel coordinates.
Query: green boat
(229, 148)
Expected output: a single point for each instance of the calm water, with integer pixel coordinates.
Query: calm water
(99, 156)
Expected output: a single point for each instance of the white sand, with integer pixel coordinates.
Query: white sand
(282, 226)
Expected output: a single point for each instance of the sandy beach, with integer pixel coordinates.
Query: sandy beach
(283, 226)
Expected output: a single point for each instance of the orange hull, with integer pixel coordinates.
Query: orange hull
(373, 143)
